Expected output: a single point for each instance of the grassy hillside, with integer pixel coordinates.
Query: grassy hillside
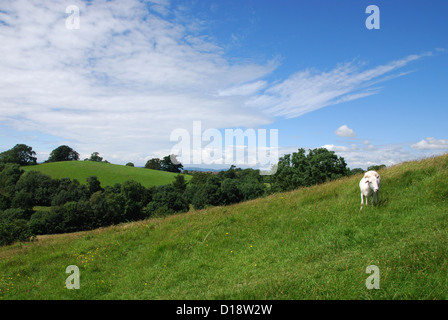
(312, 243)
(107, 173)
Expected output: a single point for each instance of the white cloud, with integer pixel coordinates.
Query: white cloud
(431, 143)
(122, 82)
(345, 131)
(244, 89)
(309, 90)
(332, 147)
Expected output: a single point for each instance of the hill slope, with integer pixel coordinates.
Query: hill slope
(107, 173)
(312, 243)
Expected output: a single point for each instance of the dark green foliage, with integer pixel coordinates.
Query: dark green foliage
(46, 222)
(22, 199)
(134, 194)
(14, 214)
(20, 154)
(208, 194)
(93, 184)
(171, 164)
(301, 169)
(252, 189)
(116, 203)
(95, 157)
(356, 171)
(63, 153)
(70, 191)
(376, 167)
(199, 178)
(167, 200)
(13, 230)
(39, 186)
(153, 163)
(230, 192)
(133, 191)
(9, 176)
(179, 183)
(14, 226)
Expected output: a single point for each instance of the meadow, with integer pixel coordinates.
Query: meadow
(311, 243)
(107, 173)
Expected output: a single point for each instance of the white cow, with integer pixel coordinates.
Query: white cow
(370, 185)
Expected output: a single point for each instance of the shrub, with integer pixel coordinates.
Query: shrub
(167, 199)
(230, 192)
(12, 230)
(45, 222)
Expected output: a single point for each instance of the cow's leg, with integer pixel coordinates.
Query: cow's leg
(362, 201)
(375, 195)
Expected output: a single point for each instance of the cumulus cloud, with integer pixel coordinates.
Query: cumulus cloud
(122, 81)
(431, 143)
(332, 147)
(344, 131)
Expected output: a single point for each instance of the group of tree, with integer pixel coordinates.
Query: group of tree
(302, 169)
(168, 163)
(24, 155)
(21, 154)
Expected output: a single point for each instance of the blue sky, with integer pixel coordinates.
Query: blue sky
(135, 71)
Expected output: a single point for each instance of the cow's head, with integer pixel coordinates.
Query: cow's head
(372, 180)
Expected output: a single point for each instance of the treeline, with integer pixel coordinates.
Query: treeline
(25, 155)
(32, 203)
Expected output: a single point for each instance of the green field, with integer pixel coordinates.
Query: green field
(312, 243)
(107, 173)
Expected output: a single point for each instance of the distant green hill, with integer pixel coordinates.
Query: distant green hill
(311, 243)
(107, 173)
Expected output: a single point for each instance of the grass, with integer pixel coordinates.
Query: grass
(312, 243)
(107, 173)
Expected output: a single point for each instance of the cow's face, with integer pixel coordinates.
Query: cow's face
(373, 182)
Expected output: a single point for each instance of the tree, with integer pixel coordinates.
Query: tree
(179, 183)
(9, 175)
(63, 153)
(41, 187)
(130, 164)
(167, 200)
(356, 171)
(325, 165)
(94, 184)
(301, 169)
(21, 154)
(95, 157)
(230, 192)
(199, 178)
(153, 163)
(167, 164)
(208, 194)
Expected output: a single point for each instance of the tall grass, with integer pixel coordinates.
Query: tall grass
(311, 243)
